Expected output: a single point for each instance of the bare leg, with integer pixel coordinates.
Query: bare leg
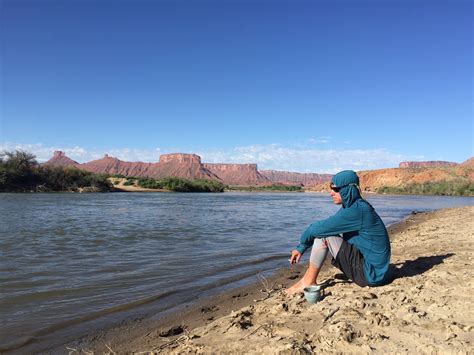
(318, 255)
(308, 279)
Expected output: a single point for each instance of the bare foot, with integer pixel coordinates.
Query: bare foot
(298, 287)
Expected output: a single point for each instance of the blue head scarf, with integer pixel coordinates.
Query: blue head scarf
(348, 182)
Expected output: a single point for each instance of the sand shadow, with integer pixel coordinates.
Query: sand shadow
(337, 279)
(420, 265)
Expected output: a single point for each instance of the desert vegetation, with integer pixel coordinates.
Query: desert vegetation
(441, 188)
(182, 185)
(201, 185)
(274, 187)
(20, 172)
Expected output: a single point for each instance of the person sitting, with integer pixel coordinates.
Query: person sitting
(355, 236)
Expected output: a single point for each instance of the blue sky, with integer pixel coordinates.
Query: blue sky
(309, 86)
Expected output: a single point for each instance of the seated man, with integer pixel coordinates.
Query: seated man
(355, 236)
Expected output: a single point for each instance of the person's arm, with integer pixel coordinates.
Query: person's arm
(345, 220)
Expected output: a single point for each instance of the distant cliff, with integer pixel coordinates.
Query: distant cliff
(238, 174)
(375, 180)
(189, 166)
(186, 166)
(60, 159)
(468, 163)
(426, 164)
(290, 178)
(112, 166)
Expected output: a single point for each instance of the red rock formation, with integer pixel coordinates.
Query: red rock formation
(189, 166)
(60, 159)
(238, 174)
(180, 158)
(112, 166)
(372, 180)
(186, 166)
(290, 178)
(426, 164)
(468, 163)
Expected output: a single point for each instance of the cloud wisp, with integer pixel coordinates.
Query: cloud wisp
(300, 158)
(305, 160)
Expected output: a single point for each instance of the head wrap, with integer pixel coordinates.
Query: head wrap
(348, 183)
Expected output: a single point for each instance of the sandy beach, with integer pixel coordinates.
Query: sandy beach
(426, 308)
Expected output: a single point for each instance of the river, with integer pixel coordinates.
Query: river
(70, 258)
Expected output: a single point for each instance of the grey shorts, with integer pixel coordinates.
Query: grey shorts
(351, 262)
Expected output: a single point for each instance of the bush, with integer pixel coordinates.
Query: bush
(441, 188)
(283, 188)
(19, 172)
(129, 182)
(286, 188)
(150, 184)
(183, 185)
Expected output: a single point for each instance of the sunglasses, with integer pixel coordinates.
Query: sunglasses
(338, 188)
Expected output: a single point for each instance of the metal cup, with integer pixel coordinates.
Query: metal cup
(312, 294)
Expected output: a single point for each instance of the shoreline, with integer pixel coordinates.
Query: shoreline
(193, 323)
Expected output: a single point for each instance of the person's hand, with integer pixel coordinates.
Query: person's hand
(295, 256)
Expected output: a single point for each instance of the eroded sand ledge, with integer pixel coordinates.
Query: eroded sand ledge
(428, 307)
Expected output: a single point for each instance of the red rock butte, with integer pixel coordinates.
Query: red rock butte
(60, 159)
(189, 166)
(180, 158)
(238, 174)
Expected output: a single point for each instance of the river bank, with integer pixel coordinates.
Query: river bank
(427, 307)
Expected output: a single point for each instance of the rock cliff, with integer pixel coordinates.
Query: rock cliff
(180, 158)
(186, 166)
(238, 174)
(112, 166)
(468, 163)
(372, 180)
(290, 178)
(426, 164)
(60, 159)
(189, 166)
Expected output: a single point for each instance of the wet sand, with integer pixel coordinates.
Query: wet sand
(427, 307)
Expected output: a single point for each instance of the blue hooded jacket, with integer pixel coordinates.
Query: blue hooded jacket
(359, 225)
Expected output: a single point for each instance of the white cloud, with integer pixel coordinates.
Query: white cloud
(82, 155)
(272, 156)
(320, 140)
(277, 157)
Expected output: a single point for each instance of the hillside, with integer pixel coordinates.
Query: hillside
(189, 166)
(291, 178)
(376, 180)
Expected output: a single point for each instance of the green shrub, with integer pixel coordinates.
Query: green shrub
(129, 182)
(150, 184)
(19, 172)
(182, 185)
(457, 187)
(274, 187)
